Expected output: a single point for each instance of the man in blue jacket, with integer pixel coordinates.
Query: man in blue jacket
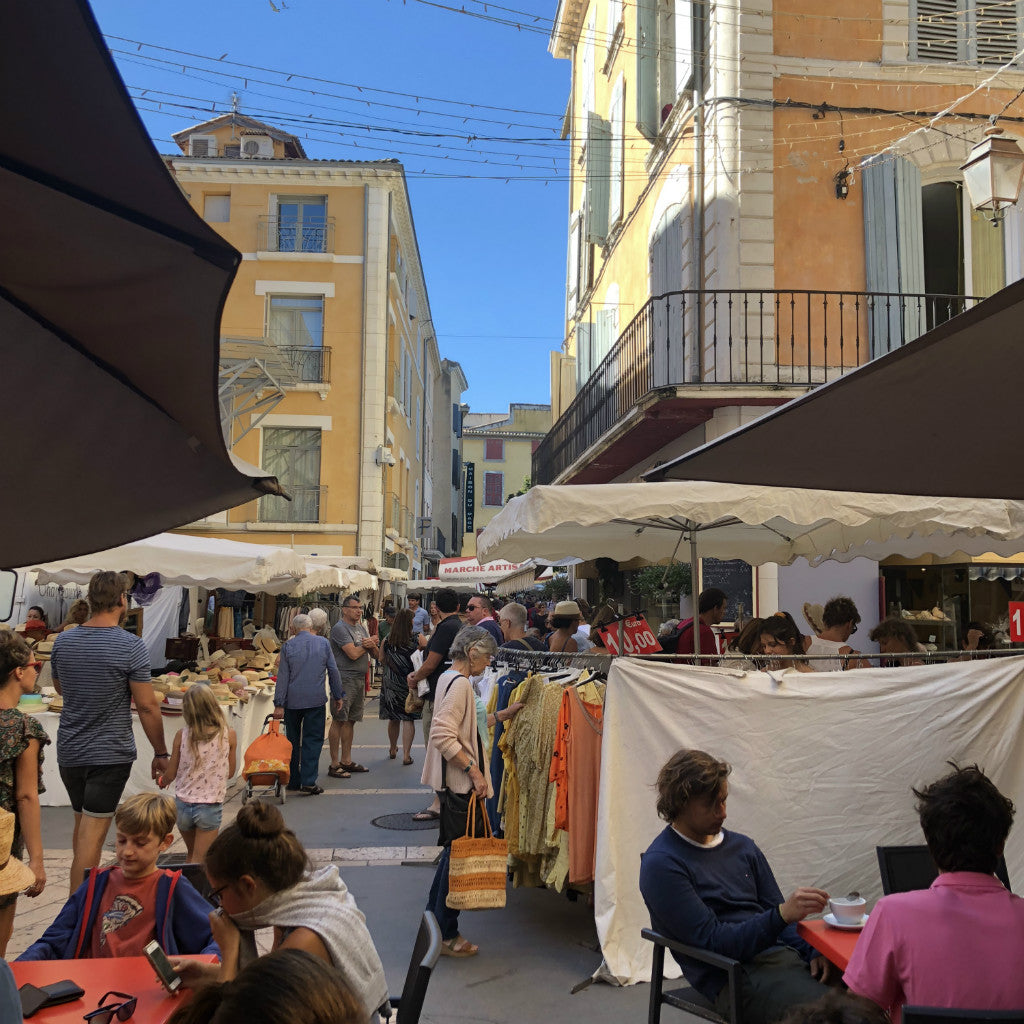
(713, 889)
(116, 911)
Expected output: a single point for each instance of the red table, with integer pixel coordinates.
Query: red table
(131, 974)
(835, 943)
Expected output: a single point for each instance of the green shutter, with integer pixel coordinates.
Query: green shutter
(599, 162)
(647, 114)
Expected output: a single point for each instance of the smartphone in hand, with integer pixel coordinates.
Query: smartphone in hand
(163, 967)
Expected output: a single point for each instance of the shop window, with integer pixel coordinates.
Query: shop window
(494, 490)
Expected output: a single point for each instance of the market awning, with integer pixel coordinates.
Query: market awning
(111, 290)
(523, 579)
(182, 560)
(938, 417)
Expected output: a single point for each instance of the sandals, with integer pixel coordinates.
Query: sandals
(312, 790)
(459, 947)
(392, 754)
(406, 760)
(352, 767)
(427, 815)
(337, 772)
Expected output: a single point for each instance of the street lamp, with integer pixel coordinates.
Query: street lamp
(993, 173)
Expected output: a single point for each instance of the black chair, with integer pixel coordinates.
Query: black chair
(904, 868)
(425, 954)
(688, 998)
(941, 1015)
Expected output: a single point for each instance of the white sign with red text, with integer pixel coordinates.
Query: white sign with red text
(469, 570)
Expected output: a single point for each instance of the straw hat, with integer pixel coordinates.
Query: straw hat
(568, 610)
(14, 875)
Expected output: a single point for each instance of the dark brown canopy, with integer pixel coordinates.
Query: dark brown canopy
(940, 416)
(111, 290)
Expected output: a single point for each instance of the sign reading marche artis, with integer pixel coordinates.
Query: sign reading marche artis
(469, 570)
(637, 636)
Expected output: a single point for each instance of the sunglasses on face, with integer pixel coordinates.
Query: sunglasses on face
(215, 897)
(105, 1014)
(37, 665)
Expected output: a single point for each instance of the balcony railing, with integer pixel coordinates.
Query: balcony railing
(283, 234)
(736, 338)
(305, 506)
(312, 364)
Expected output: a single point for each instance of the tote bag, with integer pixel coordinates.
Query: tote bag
(477, 871)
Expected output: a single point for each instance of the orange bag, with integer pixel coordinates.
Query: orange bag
(269, 754)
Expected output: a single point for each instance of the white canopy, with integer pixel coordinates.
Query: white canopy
(187, 561)
(321, 578)
(652, 521)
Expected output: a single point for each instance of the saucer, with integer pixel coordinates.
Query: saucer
(830, 920)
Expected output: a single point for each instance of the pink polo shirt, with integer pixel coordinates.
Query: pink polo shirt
(959, 943)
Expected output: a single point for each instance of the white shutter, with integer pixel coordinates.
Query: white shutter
(598, 173)
(617, 119)
(583, 249)
(588, 65)
(584, 354)
(614, 17)
(683, 35)
(604, 334)
(572, 266)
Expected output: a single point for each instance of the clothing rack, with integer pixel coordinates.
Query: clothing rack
(551, 660)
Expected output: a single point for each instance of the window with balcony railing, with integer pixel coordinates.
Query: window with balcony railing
(311, 364)
(301, 225)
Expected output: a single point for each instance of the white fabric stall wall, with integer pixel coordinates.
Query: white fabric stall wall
(823, 765)
(160, 622)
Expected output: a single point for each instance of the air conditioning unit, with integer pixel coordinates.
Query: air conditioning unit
(254, 146)
(202, 145)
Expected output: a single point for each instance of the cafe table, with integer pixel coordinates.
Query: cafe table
(836, 944)
(131, 974)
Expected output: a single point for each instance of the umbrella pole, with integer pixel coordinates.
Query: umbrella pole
(693, 592)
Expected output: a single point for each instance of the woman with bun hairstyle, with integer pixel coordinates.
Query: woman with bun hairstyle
(260, 877)
(288, 985)
(22, 739)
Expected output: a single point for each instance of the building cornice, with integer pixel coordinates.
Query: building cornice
(281, 172)
(565, 33)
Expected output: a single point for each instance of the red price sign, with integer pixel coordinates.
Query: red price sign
(637, 637)
(1017, 622)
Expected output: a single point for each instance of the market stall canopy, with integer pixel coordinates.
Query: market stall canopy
(111, 290)
(187, 561)
(937, 416)
(321, 579)
(653, 522)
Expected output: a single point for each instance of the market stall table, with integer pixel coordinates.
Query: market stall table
(246, 719)
(131, 974)
(836, 944)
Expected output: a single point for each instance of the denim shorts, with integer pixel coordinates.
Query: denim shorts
(204, 817)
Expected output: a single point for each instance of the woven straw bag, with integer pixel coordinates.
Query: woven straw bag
(478, 867)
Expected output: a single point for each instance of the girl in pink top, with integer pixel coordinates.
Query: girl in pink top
(203, 756)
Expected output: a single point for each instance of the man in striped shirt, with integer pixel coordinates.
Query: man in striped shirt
(99, 668)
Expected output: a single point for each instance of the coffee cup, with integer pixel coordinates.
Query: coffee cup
(848, 909)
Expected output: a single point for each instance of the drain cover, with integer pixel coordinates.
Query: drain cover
(404, 823)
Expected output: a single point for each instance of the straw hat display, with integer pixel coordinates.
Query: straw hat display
(15, 876)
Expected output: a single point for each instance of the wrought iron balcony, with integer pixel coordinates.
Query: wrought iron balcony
(305, 506)
(735, 340)
(311, 364)
(287, 234)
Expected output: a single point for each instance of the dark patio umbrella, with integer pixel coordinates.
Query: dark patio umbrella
(111, 290)
(940, 416)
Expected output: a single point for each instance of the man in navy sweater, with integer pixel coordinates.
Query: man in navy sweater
(713, 889)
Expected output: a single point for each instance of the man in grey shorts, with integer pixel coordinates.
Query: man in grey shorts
(352, 646)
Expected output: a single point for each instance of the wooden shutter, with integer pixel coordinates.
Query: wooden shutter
(494, 487)
(934, 34)
(617, 124)
(647, 113)
(494, 449)
(994, 32)
(894, 250)
(683, 32)
(599, 148)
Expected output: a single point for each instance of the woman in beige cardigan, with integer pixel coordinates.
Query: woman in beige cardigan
(454, 737)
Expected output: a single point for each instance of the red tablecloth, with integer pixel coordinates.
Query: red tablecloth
(836, 943)
(131, 974)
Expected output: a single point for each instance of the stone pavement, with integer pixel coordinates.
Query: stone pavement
(531, 953)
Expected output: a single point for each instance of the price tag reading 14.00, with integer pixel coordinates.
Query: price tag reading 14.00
(1016, 610)
(637, 637)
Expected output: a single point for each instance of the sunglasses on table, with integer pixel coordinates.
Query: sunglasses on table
(105, 1014)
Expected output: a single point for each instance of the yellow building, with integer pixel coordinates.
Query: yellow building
(498, 450)
(763, 197)
(329, 363)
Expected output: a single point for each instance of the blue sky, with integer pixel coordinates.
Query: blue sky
(490, 213)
